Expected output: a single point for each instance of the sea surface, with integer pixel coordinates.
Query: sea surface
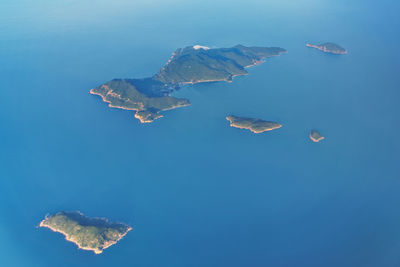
(196, 191)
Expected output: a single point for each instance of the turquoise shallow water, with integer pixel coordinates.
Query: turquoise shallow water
(197, 192)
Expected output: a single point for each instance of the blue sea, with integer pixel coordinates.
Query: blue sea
(196, 191)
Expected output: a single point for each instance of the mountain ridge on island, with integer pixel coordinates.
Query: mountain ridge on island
(94, 234)
(189, 65)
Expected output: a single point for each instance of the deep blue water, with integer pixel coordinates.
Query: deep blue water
(196, 191)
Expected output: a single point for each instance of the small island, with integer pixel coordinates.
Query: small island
(189, 65)
(94, 234)
(254, 125)
(329, 48)
(315, 136)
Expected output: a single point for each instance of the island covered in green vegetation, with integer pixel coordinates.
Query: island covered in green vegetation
(95, 234)
(315, 136)
(254, 125)
(193, 64)
(146, 96)
(196, 64)
(329, 48)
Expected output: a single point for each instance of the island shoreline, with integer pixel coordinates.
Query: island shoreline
(70, 238)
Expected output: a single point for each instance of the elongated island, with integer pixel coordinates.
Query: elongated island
(189, 65)
(94, 234)
(254, 125)
(329, 48)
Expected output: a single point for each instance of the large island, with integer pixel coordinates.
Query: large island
(146, 96)
(254, 125)
(193, 64)
(95, 234)
(329, 48)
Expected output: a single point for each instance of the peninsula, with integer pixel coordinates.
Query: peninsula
(94, 234)
(315, 136)
(329, 48)
(146, 96)
(189, 65)
(254, 125)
